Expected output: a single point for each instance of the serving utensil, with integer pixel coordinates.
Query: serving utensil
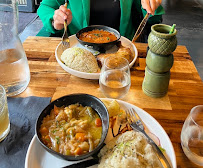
(136, 123)
(141, 27)
(65, 38)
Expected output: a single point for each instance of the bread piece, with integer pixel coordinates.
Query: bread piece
(122, 52)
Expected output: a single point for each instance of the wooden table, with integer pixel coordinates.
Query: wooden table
(48, 79)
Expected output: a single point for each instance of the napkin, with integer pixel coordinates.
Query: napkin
(23, 113)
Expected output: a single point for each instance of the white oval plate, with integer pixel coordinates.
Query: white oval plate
(38, 157)
(74, 42)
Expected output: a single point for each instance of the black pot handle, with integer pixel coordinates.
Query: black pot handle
(84, 164)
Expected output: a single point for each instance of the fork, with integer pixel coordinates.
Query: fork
(136, 123)
(65, 38)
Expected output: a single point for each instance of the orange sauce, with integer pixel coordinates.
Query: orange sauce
(98, 36)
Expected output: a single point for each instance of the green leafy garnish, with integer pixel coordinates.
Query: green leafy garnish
(47, 139)
(57, 140)
(98, 35)
(53, 131)
(162, 149)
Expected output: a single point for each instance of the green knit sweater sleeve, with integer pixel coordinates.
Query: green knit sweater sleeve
(46, 13)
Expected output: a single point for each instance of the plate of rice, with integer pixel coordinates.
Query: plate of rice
(128, 149)
(81, 61)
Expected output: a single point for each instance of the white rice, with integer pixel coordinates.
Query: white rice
(80, 59)
(128, 150)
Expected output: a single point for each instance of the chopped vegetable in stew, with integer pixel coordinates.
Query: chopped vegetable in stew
(72, 130)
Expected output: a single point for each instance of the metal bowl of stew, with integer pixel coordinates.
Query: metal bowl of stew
(85, 100)
(102, 45)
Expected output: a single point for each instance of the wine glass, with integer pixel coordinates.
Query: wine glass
(192, 135)
(114, 78)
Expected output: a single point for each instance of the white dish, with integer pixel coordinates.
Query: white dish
(74, 42)
(38, 157)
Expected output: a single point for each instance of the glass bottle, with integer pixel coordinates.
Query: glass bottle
(14, 69)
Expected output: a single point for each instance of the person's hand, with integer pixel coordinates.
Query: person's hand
(151, 5)
(60, 16)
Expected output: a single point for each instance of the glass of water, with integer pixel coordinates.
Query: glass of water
(114, 78)
(4, 116)
(192, 135)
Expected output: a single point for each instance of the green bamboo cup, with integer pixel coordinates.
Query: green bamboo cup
(159, 63)
(155, 84)
(160, 41)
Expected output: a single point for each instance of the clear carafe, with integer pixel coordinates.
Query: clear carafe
(14, 68)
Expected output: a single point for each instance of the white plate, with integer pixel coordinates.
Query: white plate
(74, 42)
(38, 157)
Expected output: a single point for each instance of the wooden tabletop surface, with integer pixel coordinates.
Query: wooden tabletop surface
(185, 91)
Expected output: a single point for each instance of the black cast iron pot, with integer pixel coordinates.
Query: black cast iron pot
(101, 47)
(84, 100)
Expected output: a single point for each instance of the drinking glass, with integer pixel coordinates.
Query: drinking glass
(14, 69)
(192, 135)
(114, 78)
(4, 116)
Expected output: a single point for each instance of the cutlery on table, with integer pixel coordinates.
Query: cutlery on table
(141, 27)
(65, 38)
(136, 123)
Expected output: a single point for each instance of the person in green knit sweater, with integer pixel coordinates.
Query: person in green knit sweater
(123, 15)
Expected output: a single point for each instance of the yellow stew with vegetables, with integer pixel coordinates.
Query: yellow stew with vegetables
(72, 130)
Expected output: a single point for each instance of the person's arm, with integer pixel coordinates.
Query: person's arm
(60, 15)
(46, 12)
(154, 8)
(150, 5)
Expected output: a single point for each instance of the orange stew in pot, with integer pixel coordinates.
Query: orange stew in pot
(97, 36)
(72, 130)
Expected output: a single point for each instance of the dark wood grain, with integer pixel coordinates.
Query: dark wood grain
(48, 79)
